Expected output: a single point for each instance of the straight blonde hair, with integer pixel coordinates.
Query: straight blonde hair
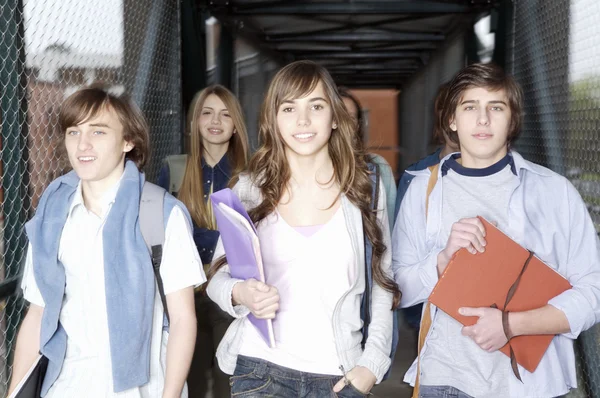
(191, 192)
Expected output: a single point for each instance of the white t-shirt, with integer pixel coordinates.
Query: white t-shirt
(311, 274)
(87, 368)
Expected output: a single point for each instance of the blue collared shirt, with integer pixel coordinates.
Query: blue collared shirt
(547, 216)
(218, 177)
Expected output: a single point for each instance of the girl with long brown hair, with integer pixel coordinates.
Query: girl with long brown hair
(308, 190)
(218, 151)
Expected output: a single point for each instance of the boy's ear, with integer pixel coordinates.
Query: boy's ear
(452, 125)
(128, 147)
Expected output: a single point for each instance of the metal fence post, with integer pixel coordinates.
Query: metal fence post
(13, 107)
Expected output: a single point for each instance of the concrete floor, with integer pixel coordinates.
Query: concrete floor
(394, 387)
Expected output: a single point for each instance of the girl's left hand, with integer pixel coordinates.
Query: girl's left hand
(360, 377)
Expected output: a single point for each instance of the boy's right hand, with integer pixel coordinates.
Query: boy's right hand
(261, 299)
(468, 233)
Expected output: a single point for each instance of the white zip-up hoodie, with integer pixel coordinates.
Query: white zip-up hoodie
(376, 355)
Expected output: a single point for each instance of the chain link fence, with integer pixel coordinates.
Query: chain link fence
(554, 53)
(48, 49)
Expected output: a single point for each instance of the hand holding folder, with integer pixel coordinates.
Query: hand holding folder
(506, 276)
(242, 248)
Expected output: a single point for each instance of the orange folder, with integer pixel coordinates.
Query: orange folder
(484, 279)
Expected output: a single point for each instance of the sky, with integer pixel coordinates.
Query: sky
(87, 26)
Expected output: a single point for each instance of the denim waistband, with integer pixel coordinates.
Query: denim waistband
(261, 367)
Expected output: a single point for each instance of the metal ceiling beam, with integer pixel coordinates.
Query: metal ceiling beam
(373, 66)
(372, 85)
(360, 7)
(373, 73)
(308, 47)
(371, 80)
(351, 80)
(344, 80)
(362, 55)
(347, 25)
(416, 46)
(315, 47)
(360, 37)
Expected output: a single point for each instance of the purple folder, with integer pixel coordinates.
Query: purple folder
(238, 249)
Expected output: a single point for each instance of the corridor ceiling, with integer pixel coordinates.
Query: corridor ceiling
(373, 43)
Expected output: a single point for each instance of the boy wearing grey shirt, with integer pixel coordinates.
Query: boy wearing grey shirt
(538, 208)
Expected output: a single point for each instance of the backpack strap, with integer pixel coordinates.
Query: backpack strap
(430, 185)
(374, 174)
(152, 225)
(176, 165)
(426, 318)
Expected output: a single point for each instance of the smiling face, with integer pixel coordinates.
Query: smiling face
(482, 121)
(305, 124)
(96, 148)
(215, 122)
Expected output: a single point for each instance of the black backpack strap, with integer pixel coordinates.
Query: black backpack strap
(152, 225)
(366, 302)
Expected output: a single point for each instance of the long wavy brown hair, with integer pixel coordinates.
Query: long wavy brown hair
(191, 192)
(270, 172)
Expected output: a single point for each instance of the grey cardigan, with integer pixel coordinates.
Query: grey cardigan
(376, 355)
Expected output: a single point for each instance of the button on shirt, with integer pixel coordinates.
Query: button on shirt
(87, 367)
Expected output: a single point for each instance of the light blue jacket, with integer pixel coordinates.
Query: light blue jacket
(547, 216)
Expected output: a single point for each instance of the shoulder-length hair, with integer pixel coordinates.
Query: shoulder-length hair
(87, 103)
(270, 172)
(191, 192)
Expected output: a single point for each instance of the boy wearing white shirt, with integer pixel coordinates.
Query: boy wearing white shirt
(95, 312)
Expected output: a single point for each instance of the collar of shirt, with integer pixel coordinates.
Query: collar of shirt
(222, 165)
(453, 163)
(106, 201)
(519, 164)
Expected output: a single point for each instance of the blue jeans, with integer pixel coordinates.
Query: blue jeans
(441, 392)
(446, 392)
(255, 377)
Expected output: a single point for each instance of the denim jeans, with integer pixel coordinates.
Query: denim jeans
(446, 392)
(441, 392)
(255, 377)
